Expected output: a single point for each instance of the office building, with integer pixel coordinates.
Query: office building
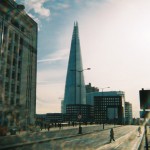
(75, 92)
(54, 117)
(109, 107)
(80, 112)
(18, 65)
(90, 88)
(128, 113)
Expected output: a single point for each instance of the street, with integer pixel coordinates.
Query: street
(87, 142)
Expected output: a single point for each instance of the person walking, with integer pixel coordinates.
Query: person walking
(112, 135)
(59, 126)
(139, 130)
(48, 127)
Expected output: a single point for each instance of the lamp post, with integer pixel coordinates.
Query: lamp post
(80, 115)
(114, 113)
(102, 100)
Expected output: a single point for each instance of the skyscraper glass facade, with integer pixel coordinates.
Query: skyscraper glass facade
(75, 92)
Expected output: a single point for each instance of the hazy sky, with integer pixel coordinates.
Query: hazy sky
(115, 44)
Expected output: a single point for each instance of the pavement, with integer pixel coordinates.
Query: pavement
(130, 141)
(28, 138)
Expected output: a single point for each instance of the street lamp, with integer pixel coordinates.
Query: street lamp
(102, 99)
(80, 115)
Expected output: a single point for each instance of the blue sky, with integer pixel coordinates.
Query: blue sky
(114, 40)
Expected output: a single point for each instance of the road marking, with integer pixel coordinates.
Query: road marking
(118, 145)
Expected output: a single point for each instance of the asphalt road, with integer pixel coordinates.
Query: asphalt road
(91, 141)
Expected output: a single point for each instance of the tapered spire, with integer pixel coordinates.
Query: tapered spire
(75, 87)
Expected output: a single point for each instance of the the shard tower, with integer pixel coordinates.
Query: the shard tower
(75, 87)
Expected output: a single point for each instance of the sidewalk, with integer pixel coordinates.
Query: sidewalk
(130, 141)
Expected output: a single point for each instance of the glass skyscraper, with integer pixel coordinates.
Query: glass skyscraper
(75, 92)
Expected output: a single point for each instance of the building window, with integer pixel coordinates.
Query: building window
(8, 73)
(8, 59)
(17, 101)
(22, 28)
(21, 41)
(16, 37)
(13, 87)
(19, 77)
(20, 51)
(18, 90)
(12, 101)
(15, 23)
(19, 64)
(13, 75)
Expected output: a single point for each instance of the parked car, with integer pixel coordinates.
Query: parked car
(13, 130)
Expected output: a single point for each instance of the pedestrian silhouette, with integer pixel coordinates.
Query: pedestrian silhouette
(48, 127)
(139, 130)
(112, 135)
(59, 125)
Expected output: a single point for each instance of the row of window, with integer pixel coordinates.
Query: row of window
(12, 100)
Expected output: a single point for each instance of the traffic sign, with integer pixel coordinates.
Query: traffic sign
(79, 116)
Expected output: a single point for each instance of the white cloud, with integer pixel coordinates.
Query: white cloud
(37, 6)
(49, 60)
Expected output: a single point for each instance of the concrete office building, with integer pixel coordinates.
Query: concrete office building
(18, 65)
(128, 113)
(109, 107)
(75, 92)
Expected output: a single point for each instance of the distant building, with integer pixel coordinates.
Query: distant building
(128, 113)
(18, 65)
(109, 107)
(54, 117)
(80, 112)
(40, 119)
(90, 88)
(49, 118)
